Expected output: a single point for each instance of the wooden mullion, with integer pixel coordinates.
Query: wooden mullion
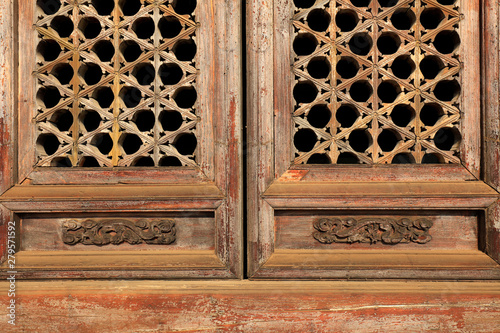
(75, 111)
(156, 82)
(115, 131)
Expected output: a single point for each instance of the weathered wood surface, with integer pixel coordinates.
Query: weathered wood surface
(491, 91)
(159, 264)
(470, 149)
(491, 105)
(310, 187)
(260, 135)
(170, 306)
(380, 195)
(370, 264)
(377, 173)
(7, 107)
(214, 187)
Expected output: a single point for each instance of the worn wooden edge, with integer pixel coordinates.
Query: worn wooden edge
(103, 192)
(380, 203)
(260, 134)
(471, 84)
(383, 264)
(492, 231)
(490, 52)
(117, 264)
(380, 195)
(227, 80)
(7, 119)
(123, 198)
(377, 173)
(114, 176)
(25, 93)
(397, 189)
(241, 287)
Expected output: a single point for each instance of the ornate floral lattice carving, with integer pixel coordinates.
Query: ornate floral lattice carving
(372, 230)
(116, 83)
(117, 231)
(376, 81)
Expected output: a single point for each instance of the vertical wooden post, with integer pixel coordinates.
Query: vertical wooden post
(7, 106)
(491, 121)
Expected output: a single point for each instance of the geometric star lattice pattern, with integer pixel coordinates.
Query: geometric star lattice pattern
(116, 83)
(376, 81)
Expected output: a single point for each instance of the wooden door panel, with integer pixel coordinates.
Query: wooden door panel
(68, 186)
(296, 170)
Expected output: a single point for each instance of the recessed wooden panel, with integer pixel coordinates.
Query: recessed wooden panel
(193, 231)
(448, 231)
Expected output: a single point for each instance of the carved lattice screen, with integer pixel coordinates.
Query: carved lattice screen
(376, 81)
(116, 83)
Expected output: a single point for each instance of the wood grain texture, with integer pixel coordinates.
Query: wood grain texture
(161, 264)
(260, 135)
(7, 107)
(491, 114)
(244, 306)
(379, 173)
(225, 16)
(492, 232)
(342, 187)
(26, 91)
(490, 66)
(380, 195)
(370, 264)
(470, 150)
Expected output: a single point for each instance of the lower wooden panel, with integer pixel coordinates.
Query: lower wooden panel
(44, 232)
(383, 244)
(113, 264)
(450, 230)
(246, 306)
(359, 264)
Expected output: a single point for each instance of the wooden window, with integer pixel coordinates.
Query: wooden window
(365, 136)
(127, 159)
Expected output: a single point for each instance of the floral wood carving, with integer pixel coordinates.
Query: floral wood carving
(117, 231)
(372, 230)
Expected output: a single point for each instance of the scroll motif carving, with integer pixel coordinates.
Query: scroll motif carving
(117, 231)
(372, 230)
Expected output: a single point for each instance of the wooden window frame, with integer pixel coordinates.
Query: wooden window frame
(215, 186)
(275, 185)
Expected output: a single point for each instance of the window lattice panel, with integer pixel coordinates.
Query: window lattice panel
(376, 81)
(116, 83)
